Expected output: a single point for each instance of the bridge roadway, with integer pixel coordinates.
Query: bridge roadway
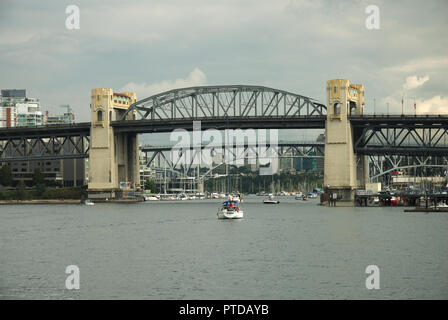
(151, 148)
(374, 135)
(220, 123)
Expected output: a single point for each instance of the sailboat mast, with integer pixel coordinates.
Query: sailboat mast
(228, 155)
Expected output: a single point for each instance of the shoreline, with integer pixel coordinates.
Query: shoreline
(40, 201)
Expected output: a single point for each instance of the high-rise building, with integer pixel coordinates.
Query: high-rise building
(29, 113)
(16, 110)
(8, 109)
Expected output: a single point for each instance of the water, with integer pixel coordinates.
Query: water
(179, 250)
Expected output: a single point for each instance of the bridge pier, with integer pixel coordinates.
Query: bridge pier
(113, 157)
(345, 172)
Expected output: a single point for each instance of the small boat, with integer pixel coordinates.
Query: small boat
(394, 201)
(442, 205)
(183, 197)
(271, 200)
(89, 202)
(305, 198)
(230, 210)
(151, 198)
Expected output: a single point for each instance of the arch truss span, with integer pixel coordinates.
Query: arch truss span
(224, 101)
(385, 165)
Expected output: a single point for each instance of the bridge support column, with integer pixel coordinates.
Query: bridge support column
(344, 170)
(113, 158)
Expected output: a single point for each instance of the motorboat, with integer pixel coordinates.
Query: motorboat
(151, 198)
(442, 205)
(271, 200)
(230, 210)
(89, 202)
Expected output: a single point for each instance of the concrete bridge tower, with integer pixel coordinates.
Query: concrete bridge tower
(113, 157)
(344, 170)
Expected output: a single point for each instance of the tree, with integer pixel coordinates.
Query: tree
(5, 175)
(150, 185)
(38, 177)
(21, 191)
(40, 189)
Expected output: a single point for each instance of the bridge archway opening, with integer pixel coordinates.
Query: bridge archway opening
(352, 108)
(337, 108)
(99, 115)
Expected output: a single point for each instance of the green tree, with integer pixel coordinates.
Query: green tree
(150, 185)
(21, 191)
(5, 175)
(38, 177)
(40, 189)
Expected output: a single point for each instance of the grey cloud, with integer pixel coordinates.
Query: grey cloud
(292, 44)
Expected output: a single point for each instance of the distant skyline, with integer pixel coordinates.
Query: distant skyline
(295, 45)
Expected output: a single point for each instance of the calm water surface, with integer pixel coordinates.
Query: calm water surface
(179, 250)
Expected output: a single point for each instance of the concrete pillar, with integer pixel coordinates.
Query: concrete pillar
(113, 157)
(344, 172)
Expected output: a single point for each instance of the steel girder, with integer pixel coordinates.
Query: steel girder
(404, 139)
(161, 157)
(382, 165)
(48, 148)
(223, 101)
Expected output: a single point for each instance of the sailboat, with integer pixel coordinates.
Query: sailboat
(230, 210)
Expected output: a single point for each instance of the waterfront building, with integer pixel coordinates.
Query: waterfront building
(67, 117)
(18, 110)
(8, 110)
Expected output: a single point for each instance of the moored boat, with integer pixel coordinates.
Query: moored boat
(151, 198)
(271, 200)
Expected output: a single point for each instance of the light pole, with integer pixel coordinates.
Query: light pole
(374, 113)
(402, 105)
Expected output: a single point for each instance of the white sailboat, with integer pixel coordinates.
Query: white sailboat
(230, 210)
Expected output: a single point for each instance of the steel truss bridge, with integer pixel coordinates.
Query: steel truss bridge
(185, 161)
(234, 107)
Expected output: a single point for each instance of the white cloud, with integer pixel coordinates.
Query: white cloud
(143, 90)
(413, 82)
(430, 63)
(434, 105)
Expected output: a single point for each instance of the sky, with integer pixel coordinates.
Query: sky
(295, 45)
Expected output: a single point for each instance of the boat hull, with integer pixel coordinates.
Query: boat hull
(271, 202)
(224, 214)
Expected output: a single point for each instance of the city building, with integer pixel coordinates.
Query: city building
(17, 110)
(67, 117)
(29, 113)
(8, 109)
(67, 172)
(320, 164)
(145, 172)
